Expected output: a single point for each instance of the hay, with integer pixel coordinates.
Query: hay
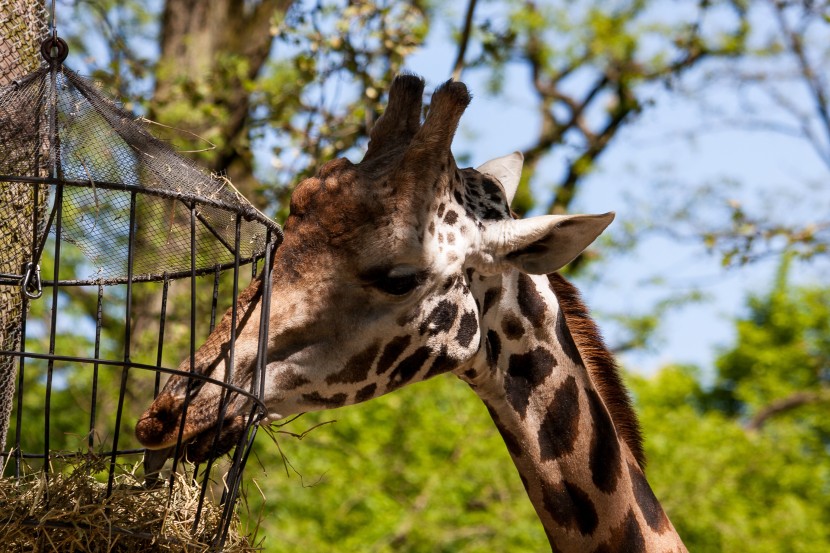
(68, 511)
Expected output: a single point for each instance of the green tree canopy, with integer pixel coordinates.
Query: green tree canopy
(743, 462)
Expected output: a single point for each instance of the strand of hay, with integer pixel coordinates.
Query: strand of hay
(68, 512)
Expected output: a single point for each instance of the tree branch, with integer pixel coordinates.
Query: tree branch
(458, 67)
(783, 405)
(811, 80)
(596, 145)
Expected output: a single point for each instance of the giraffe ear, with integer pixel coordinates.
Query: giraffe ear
(507, 170)
(538, 245)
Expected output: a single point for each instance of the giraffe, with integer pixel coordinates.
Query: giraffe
(403, 267)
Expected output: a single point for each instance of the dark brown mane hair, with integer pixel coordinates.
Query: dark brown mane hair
(602, 368)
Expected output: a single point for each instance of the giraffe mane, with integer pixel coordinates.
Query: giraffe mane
(600, 363)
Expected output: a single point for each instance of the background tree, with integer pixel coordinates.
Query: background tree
(279, 88)
(777, 87)
(783, 89)
(743, 463)
(22, 28)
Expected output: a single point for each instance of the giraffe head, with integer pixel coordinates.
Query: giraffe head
(371, 287)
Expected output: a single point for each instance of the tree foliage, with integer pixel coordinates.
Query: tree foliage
(725, 488)
(742, 464)
(777, 87)
(780, 367)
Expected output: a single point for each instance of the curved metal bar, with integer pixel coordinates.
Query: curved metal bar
(142, 366)
(248, 213)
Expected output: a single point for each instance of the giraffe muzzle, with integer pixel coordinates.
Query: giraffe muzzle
(202, 435)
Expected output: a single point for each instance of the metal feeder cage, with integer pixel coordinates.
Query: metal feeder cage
(123, 253)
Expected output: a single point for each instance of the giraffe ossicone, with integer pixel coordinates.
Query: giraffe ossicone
(403, 267)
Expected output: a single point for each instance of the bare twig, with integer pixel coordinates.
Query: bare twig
(811, 80)
(458, 67)
(304, 433)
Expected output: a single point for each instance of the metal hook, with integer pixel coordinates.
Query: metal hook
(32, 286)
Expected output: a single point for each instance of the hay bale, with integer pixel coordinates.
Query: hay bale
(68, 511)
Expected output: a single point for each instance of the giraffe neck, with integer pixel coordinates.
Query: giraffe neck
(583, 479)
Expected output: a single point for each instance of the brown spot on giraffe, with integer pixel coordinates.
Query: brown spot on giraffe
(604, 457)
(490, 299)
(493, 347)
(337, 400)
(512, 327)
(392, 351)
(357, 368)
(366, 393)
(510, 439)
(653, 513)
(563, 334)
(408, 367)
(531, 303)
(560, 427)
(570, 506)
(440, 319)
(442, 363)
(467, 328)
(625, 538)
(525, 372)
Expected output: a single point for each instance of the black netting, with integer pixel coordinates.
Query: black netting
(103, 156)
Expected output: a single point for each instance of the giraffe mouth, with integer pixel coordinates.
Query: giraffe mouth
(216, 440)
(205, 445)
(201, 435)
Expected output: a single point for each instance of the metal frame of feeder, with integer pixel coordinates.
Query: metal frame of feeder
(54, 50)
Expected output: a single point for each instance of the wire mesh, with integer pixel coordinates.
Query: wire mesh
(23, 26)
(135, 250)
(103, 154)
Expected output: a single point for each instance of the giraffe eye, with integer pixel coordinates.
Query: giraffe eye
(398, 281)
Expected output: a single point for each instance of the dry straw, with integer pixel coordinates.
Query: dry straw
(68, 511)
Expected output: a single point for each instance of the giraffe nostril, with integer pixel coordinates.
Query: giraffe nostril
(163, 416)
(194, 387)
(149, 430)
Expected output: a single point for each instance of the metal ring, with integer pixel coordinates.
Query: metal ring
(59, 44)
